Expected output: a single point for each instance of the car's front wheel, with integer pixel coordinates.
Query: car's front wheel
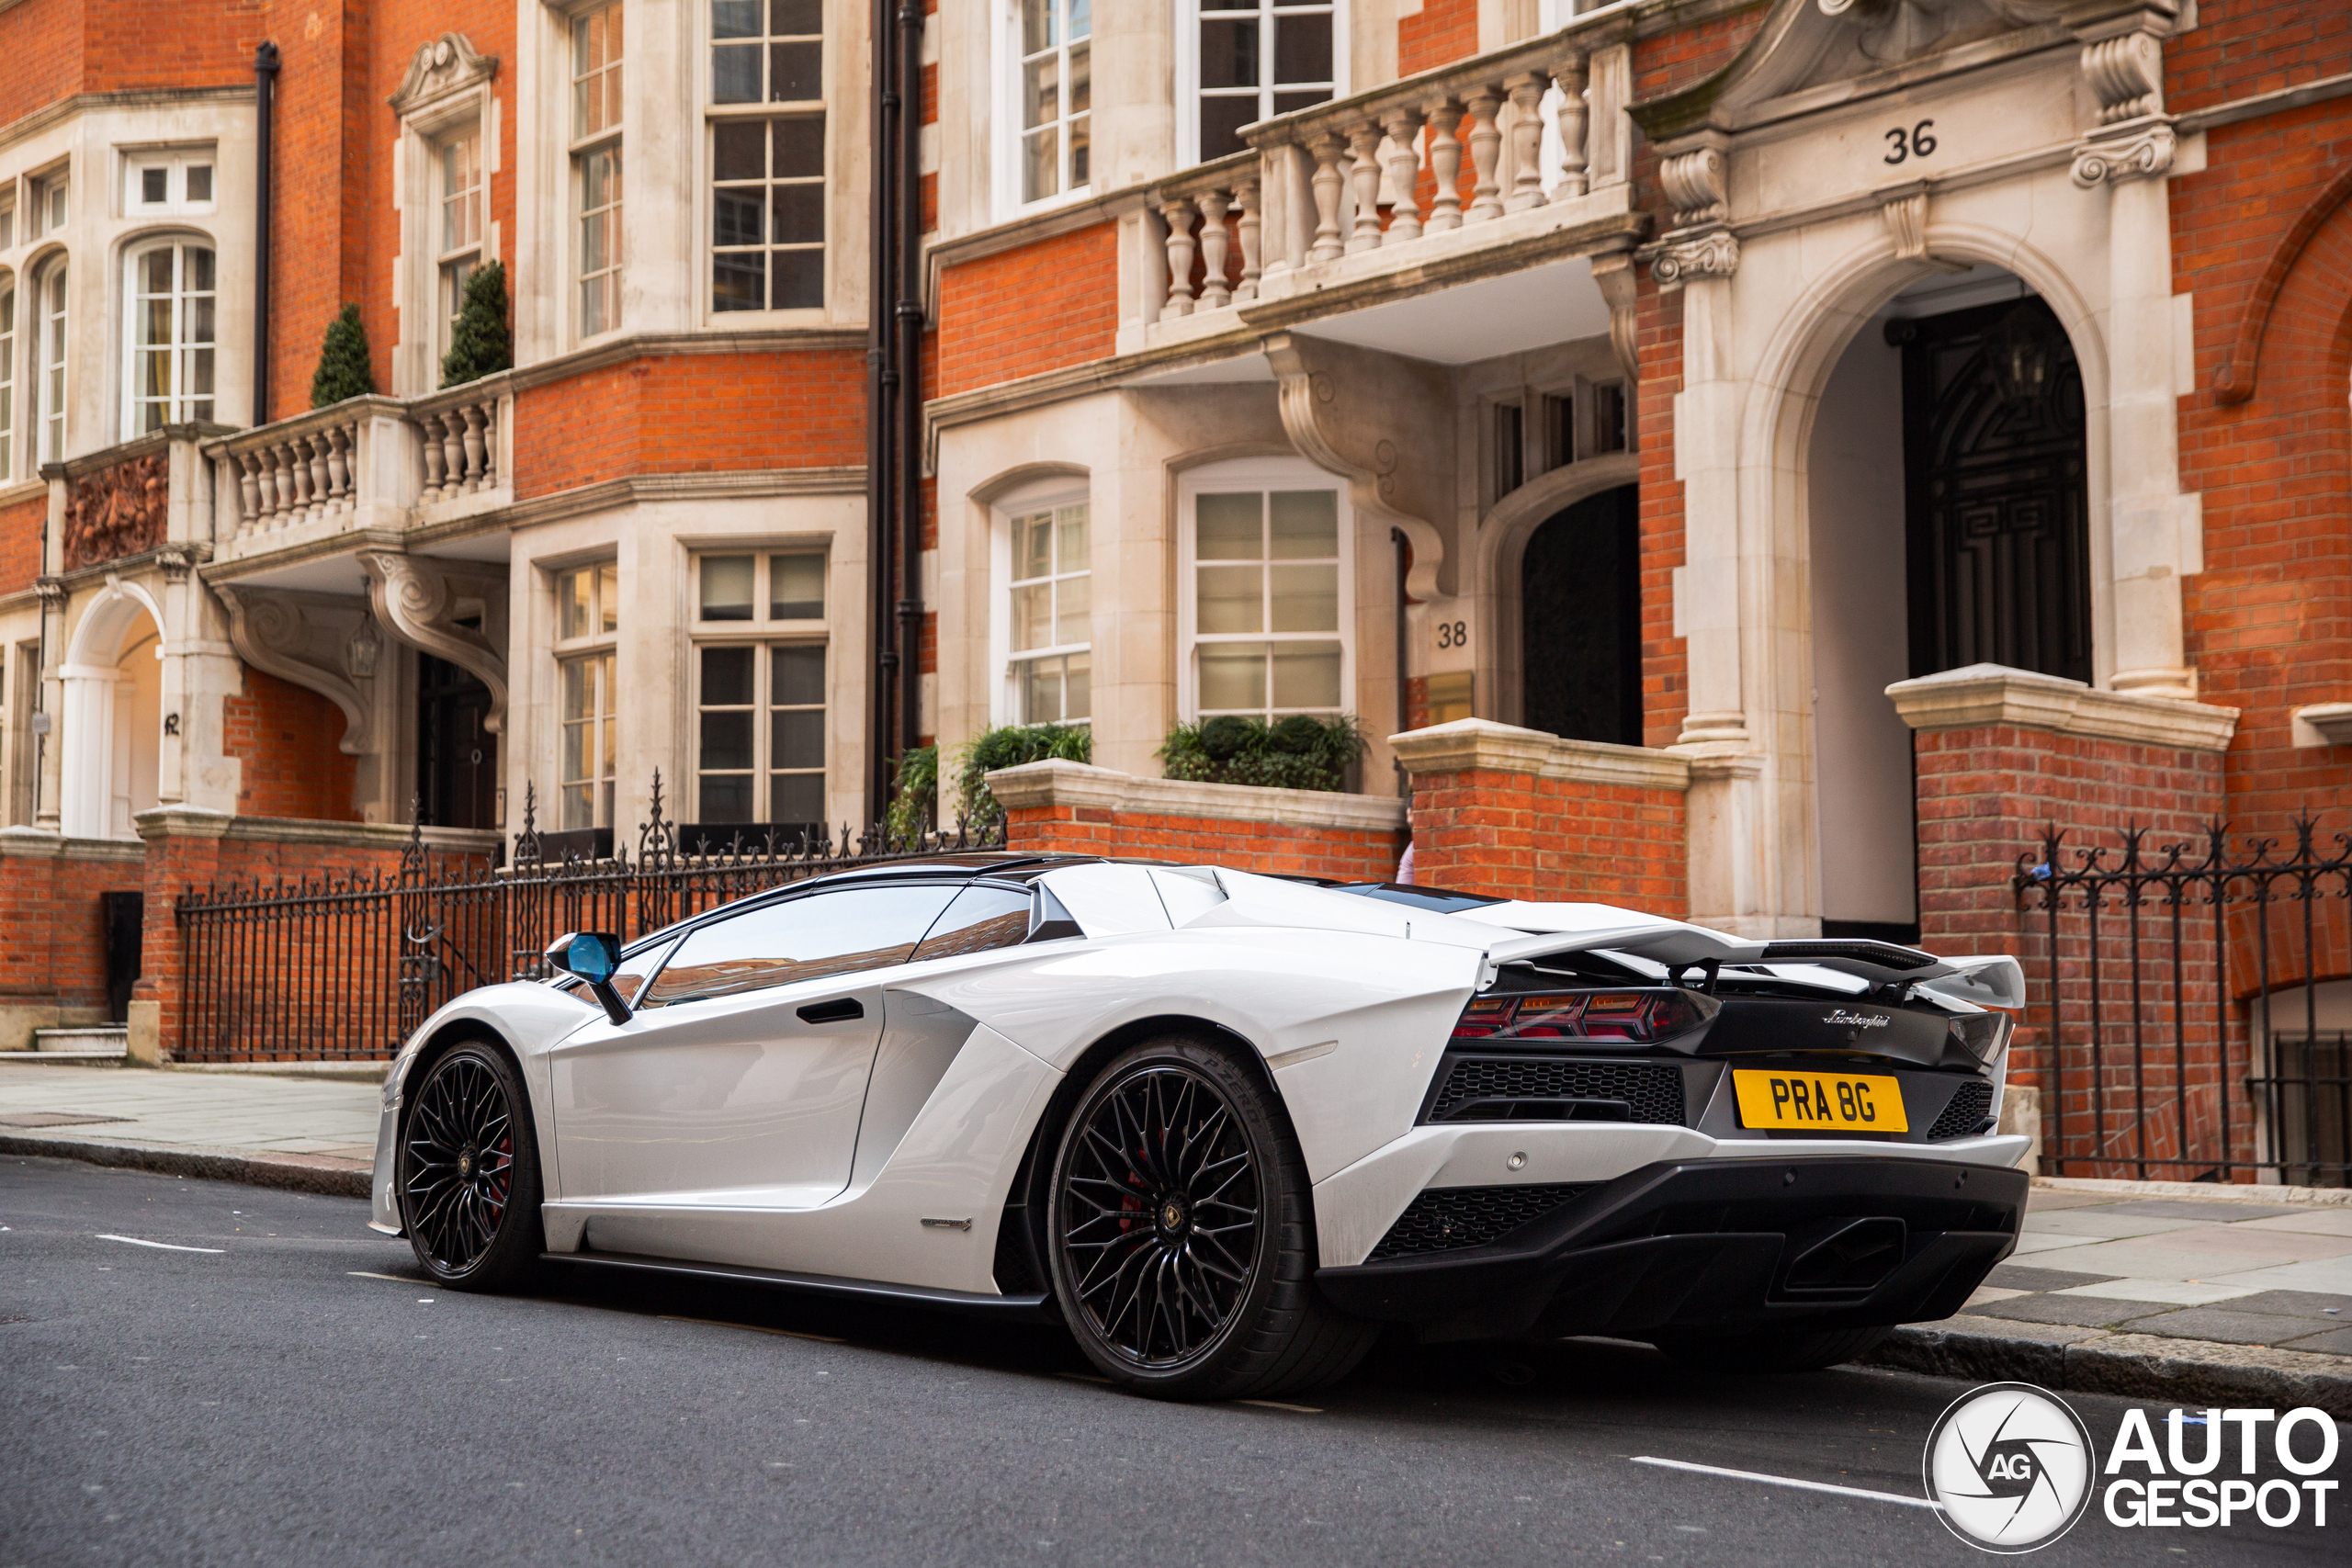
(1181, 1235)
(469, 1172)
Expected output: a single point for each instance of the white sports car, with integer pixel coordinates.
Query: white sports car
(1228, 1127)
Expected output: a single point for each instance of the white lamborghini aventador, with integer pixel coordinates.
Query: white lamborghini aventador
(1228, 1127)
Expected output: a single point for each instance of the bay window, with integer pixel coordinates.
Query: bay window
(596, 165)
(767, 169)
(172, 323)
(587, 611)
(49, 368)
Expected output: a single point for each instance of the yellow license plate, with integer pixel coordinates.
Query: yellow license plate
(1819, 1102)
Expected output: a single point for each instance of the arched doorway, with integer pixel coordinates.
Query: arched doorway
(1580, 645)
(112, 723)
(1947, 492)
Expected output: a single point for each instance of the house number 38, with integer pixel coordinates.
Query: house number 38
(1453, 634)
(1916, 142)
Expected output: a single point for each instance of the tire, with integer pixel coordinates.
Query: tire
(1172, 1134)
(1777, 1352)
(468, 1174)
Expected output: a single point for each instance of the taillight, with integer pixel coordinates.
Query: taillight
(1617, 1018)
(1982, 1034)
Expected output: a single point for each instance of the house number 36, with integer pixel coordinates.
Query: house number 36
(1916, 142)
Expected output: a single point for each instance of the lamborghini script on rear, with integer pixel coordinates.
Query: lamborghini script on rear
(1227, 1127)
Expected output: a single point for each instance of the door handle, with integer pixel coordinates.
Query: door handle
(838, 1010)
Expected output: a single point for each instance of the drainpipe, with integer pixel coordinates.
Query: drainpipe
(264, 97)
(910, 325)
(878, 382)
(1403, 706)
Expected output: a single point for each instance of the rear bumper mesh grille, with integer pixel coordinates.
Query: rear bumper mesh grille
(1445, 1218)
(1653, 1090)
(1970, 1106)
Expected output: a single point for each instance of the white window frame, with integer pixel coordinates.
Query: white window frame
(52, 204)
(600, 647)
(1188, 70)
(467, 108)
(1005, 705)
(1005, 113)
(8, 216)
(1262, 474)
(179, 407)
(453, 264)
(10, 304)
(762, 633)
(53, 373)
(584, 146)
(714, 113)
(174, 163)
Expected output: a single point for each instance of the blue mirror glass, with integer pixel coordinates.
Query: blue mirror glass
(591, 955)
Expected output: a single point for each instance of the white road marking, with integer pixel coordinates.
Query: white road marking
(757, 1328)
(1278, 1404)
(166, 1246)
(1788, 1481)
(364, 1274)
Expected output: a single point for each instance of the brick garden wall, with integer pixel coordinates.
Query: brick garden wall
(1074, 808)
(50, 904)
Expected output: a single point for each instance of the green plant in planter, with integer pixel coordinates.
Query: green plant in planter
(343, 371)
(1009, 746)
(479, 343)
(914, 802)
(1300, 752)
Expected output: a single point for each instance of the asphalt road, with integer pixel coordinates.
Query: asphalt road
(279, 1400)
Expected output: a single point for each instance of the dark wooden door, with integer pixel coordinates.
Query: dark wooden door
(1579, 615)
(456, 760)
(1997, 513)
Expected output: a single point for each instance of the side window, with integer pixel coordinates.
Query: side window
(981, 918)
(804, 939)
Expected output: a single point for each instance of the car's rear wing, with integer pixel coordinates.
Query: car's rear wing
(1994, 980)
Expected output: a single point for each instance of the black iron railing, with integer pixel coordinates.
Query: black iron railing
(344, 967)
(2177, 1020)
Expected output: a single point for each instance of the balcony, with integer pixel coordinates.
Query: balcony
(1507, 173)
(367, 470)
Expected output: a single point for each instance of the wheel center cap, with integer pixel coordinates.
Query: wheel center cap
(465, 1163)
(1173, 1212)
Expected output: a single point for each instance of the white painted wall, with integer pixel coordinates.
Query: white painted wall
(1861, 748)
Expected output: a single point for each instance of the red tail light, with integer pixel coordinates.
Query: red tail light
(1617, 1018)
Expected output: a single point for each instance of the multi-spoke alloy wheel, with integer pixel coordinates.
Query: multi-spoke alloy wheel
(1160, 1213)
(468, 1171)
(1182, 1235)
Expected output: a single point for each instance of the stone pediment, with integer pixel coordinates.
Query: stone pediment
(1811, 52)
(448, 64)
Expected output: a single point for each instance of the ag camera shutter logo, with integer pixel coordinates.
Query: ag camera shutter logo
(2010, 1467)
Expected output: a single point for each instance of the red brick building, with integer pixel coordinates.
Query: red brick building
(1862, 433)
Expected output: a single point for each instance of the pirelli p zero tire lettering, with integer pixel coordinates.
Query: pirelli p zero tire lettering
(469, 1172)
(1180, 1236)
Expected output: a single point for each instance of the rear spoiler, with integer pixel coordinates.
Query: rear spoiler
(1993, 981)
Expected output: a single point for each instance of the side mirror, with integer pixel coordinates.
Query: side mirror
(596, 957)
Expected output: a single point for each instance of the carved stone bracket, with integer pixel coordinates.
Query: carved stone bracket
(1711, 255)
(1906, 224)
(179, 559)
(416, 597)
(296, 638)
(2127, 74)
(2143, 152)
(448, 64)
(52, 591)
(1308, 400)
(1613, 271)
(1695, 183)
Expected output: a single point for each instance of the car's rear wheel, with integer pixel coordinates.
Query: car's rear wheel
(1181, 1236)
(469, 1172)
(1777, 1351)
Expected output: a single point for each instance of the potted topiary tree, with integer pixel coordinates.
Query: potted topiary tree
(479, 343)
(343, 370)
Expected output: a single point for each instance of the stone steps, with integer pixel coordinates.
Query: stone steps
(86, 1043)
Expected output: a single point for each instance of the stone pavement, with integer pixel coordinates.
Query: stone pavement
(305, 1134)
(2158, 1289)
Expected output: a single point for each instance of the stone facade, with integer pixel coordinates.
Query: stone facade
(1561, 350)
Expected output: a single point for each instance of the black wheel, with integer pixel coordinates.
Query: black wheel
(469, 1172)
(1773, 1352)
(1181, 1236)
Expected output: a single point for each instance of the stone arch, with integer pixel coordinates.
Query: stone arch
(1774, 514)
(1498, 553)
(106, 773)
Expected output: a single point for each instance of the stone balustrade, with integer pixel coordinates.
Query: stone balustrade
(459, 437)
(1381, 170)
(368, 462)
